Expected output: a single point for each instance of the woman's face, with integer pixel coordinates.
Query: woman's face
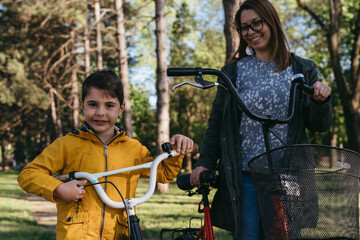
(255, 31)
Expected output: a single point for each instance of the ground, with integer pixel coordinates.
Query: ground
(45, 212)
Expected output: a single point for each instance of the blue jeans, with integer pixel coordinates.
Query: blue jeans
(250, 213)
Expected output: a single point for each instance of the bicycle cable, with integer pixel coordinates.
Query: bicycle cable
(276, 136)
(122, 198)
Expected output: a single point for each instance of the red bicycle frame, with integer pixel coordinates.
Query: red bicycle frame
(207, 230)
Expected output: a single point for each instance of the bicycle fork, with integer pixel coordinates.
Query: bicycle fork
(207, 230)
(135, 232)
(279, 229)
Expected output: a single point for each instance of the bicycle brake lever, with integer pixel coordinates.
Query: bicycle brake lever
(187, 82)
(199, 79)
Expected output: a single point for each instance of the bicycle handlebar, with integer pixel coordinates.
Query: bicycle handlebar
(298, 81)
(93, 178)
(177, 72)
(207, 177)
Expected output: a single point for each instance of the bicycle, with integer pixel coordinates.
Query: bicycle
(128, 204)
(284, 185)
(207, 179)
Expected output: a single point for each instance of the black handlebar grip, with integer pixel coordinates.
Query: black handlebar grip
(171, 72)
(183, 182)
(299, 78)
(207, 177)
(166, 147)
(307, 89)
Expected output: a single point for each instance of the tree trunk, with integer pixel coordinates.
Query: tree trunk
(162, 88)
(98, 35)
(87, 48)
(231, 35)
(55, 120)
(75, 97)
(349, 95)
(74, 86)
(123, 62)
(2, 145)
(187, 163)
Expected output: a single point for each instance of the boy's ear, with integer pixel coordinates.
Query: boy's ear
(122, 108)
(82, 105)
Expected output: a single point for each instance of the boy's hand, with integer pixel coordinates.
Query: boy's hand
(70, 191)
(183, 144)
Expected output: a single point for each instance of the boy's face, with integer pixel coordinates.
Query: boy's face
(101, 112)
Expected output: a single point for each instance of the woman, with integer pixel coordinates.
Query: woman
(261, 70)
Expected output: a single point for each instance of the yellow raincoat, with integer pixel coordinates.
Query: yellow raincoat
(82, 151)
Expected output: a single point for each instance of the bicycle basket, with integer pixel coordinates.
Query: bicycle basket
(308, 192)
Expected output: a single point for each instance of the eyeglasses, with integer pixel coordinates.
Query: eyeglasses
(256, 26)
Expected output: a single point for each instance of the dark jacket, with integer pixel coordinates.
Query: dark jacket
(221, 148)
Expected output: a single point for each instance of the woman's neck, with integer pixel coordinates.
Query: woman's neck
(263, 56)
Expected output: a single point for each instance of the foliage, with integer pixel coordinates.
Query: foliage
(205, 49)
(307, 39)
(336, 62)
(143, 118)
(43, 41)
(20, 91)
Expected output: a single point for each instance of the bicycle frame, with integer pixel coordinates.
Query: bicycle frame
(128, 204)
(207, 178)
(207, 230)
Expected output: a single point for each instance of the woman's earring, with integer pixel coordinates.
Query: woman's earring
(249, 51)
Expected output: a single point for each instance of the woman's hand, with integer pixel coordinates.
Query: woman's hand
(195, 176)
(183, 143)
(70, 191)
(321, 91)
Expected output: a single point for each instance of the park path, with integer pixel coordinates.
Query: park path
(43, 211)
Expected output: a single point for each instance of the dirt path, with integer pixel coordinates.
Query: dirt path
(43, 211)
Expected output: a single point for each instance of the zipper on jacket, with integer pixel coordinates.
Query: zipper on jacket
(106, 169)
(77, 207)
(105, 187)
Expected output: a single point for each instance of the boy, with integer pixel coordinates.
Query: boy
(99, 146)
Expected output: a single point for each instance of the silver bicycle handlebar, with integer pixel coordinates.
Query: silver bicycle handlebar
(132, 202)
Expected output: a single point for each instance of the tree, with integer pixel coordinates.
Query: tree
(75, 89)
(123, 62)
(38, 62)
(190, 107)
(86, 47)
(98, 35)
(162, 110)
(231, 35)
(339, 22)
(144, 131)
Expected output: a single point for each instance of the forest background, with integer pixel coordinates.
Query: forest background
(47, 48)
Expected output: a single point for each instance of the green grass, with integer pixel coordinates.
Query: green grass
(171, 211)
(16, 221)
(162, 211)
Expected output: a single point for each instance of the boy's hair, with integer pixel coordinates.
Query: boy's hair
(106, 80)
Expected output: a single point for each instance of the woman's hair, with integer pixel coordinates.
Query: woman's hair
(106, 80)
(278, 44)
